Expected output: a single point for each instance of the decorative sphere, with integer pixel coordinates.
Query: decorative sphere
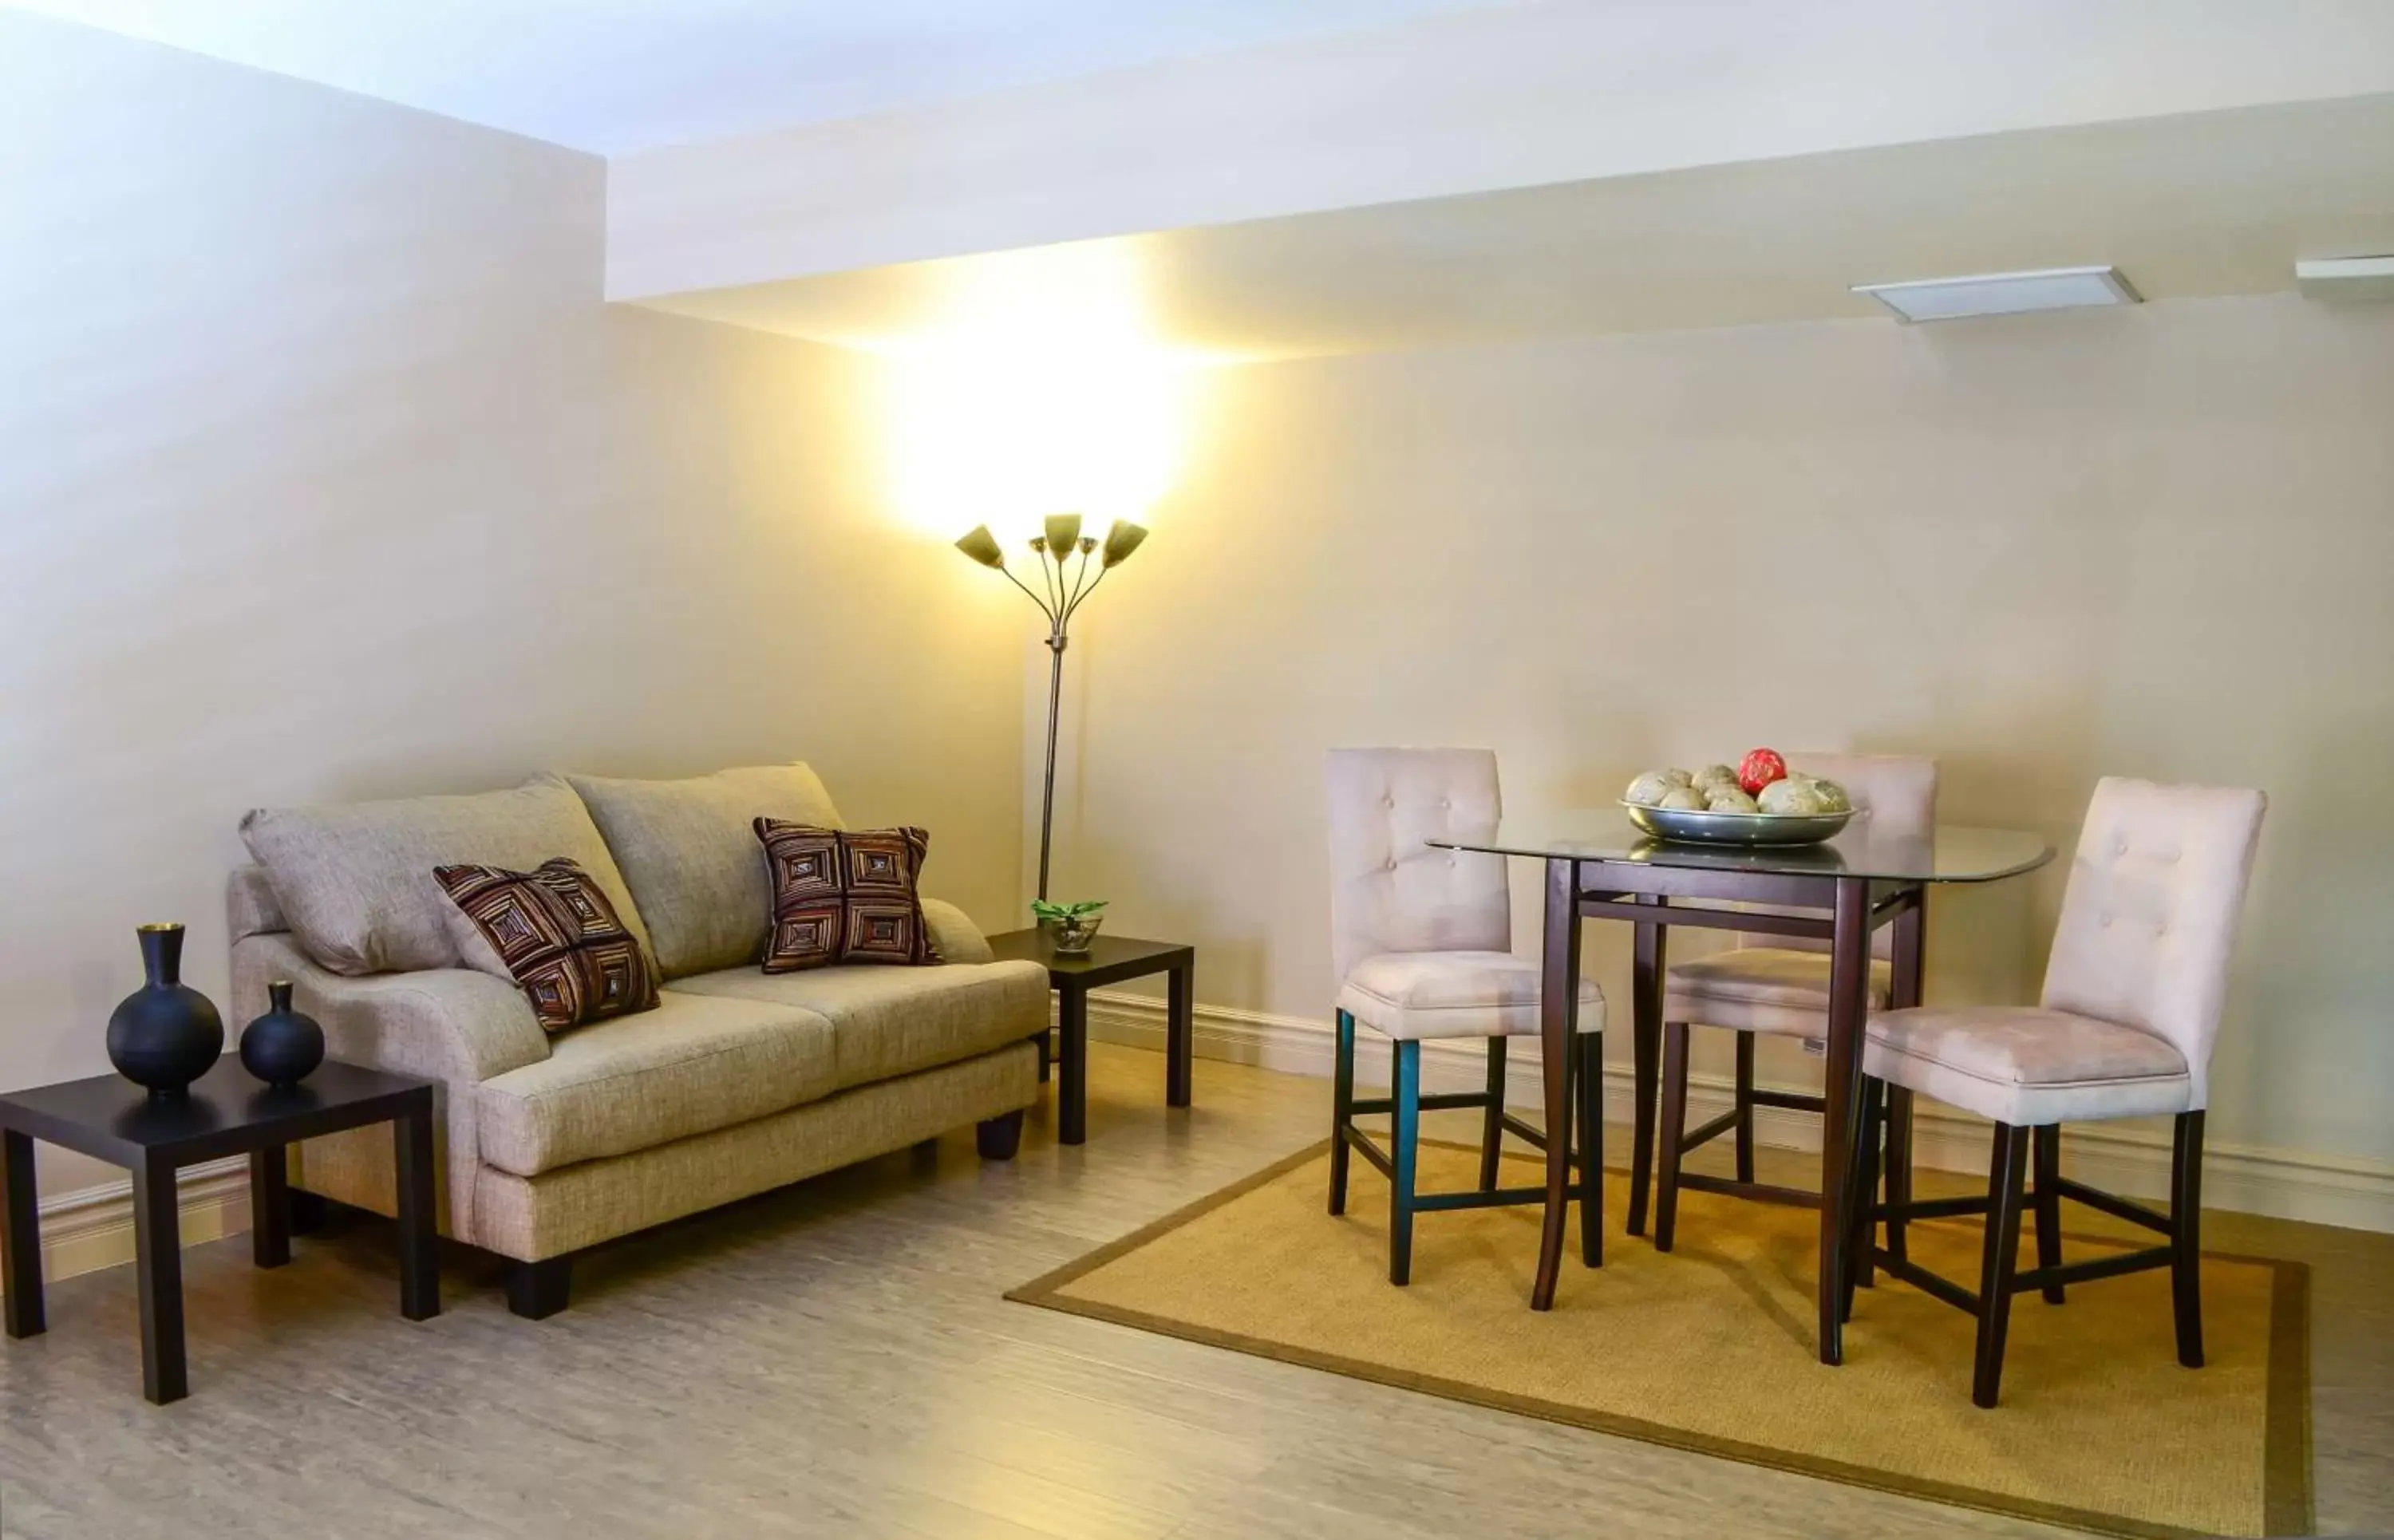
(1648, 790)
(1791, 796)
(1759, 768)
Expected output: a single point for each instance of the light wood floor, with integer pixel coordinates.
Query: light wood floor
(835, 1360)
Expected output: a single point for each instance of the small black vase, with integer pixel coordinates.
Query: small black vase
(282, 1048)
(164, 1035)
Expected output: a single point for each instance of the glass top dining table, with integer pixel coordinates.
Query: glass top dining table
(1947, 853)
(1841, 892)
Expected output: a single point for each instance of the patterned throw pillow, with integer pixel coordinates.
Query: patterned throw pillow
(553, 932)
(844, 896)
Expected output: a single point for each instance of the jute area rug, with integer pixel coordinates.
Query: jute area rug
(1711, 1347)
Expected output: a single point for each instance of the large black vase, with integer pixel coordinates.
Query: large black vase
(164, 1035)
(282, 1048)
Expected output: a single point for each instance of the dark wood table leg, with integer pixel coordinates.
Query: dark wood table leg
(1072, 1065)
(21, 1239)
(1848, 1006)
(1557, 1021)
(158, 1258)
(270, 1206)
(420, 1247)
(1180, 1034)
(1646, 1054)
(1911, 953)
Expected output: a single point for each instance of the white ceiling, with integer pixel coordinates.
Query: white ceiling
(2195, 205)
(614, 76)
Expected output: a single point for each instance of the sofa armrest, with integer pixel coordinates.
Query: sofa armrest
(953, 933)
(450, 1025)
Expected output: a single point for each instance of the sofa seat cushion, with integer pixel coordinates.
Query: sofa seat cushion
(697, 1062)
(894, 1021)
(688, 849)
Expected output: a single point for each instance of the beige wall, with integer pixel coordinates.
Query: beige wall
(2152, 543)
(324, 473)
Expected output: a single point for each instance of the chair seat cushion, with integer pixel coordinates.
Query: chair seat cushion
(693, 1065)
(1761, 989)
(894, 1021)
(1417, 994)
(2026, 1066)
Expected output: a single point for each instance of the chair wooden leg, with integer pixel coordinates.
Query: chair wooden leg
(1591, 1147)
(2045, 1153)
(1862, 1271)
(1404, 1140)
(1745, 1106)
(1491, 1122)
(2186, 1235)
(1899, 1166)
(1674, 1127)
(1342, 1110)
(2006, 1186)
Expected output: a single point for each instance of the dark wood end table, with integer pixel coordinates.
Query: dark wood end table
(227, 1112)
(1111, 960)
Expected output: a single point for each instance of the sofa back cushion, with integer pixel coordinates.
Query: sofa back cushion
(688, 848)
(355, 880)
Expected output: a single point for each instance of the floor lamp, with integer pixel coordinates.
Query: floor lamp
(1062, 553)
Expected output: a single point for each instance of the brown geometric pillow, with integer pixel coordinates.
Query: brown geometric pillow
(844, 896)
(553, 932)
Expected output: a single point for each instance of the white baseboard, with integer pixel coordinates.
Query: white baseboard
(92, 1228)
(2284, 1184)
(85, 1230)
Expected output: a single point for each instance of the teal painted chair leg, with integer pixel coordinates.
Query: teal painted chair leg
(1406, 1138)
(1342, 1111)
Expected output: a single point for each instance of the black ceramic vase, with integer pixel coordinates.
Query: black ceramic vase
(164, 1035)
(282, 1048)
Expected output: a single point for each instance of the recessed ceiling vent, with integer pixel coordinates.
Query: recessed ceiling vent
(2003, 292)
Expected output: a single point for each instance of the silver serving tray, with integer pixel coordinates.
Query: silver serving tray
(1709, 828)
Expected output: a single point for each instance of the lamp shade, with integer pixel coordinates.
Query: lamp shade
(982, 548)
(1123, 539)
(1064, 532)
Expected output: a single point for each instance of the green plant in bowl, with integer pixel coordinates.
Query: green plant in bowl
(1070, 926)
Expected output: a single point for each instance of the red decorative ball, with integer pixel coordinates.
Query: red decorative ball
(1759, 768)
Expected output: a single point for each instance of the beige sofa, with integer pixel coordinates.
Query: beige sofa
(738, 1082)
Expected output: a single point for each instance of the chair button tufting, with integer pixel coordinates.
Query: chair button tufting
(2120, 847)
(2105, 921)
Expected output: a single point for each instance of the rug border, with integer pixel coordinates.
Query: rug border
(2286, 1491)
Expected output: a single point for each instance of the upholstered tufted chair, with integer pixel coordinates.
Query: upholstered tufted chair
(1778, 985)
(1421, 940)
(2131, 1002)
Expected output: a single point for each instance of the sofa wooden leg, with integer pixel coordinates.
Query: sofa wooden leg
(538, 1290)
(999, 1137)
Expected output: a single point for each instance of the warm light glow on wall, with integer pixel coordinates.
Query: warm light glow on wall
(1040, 391)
